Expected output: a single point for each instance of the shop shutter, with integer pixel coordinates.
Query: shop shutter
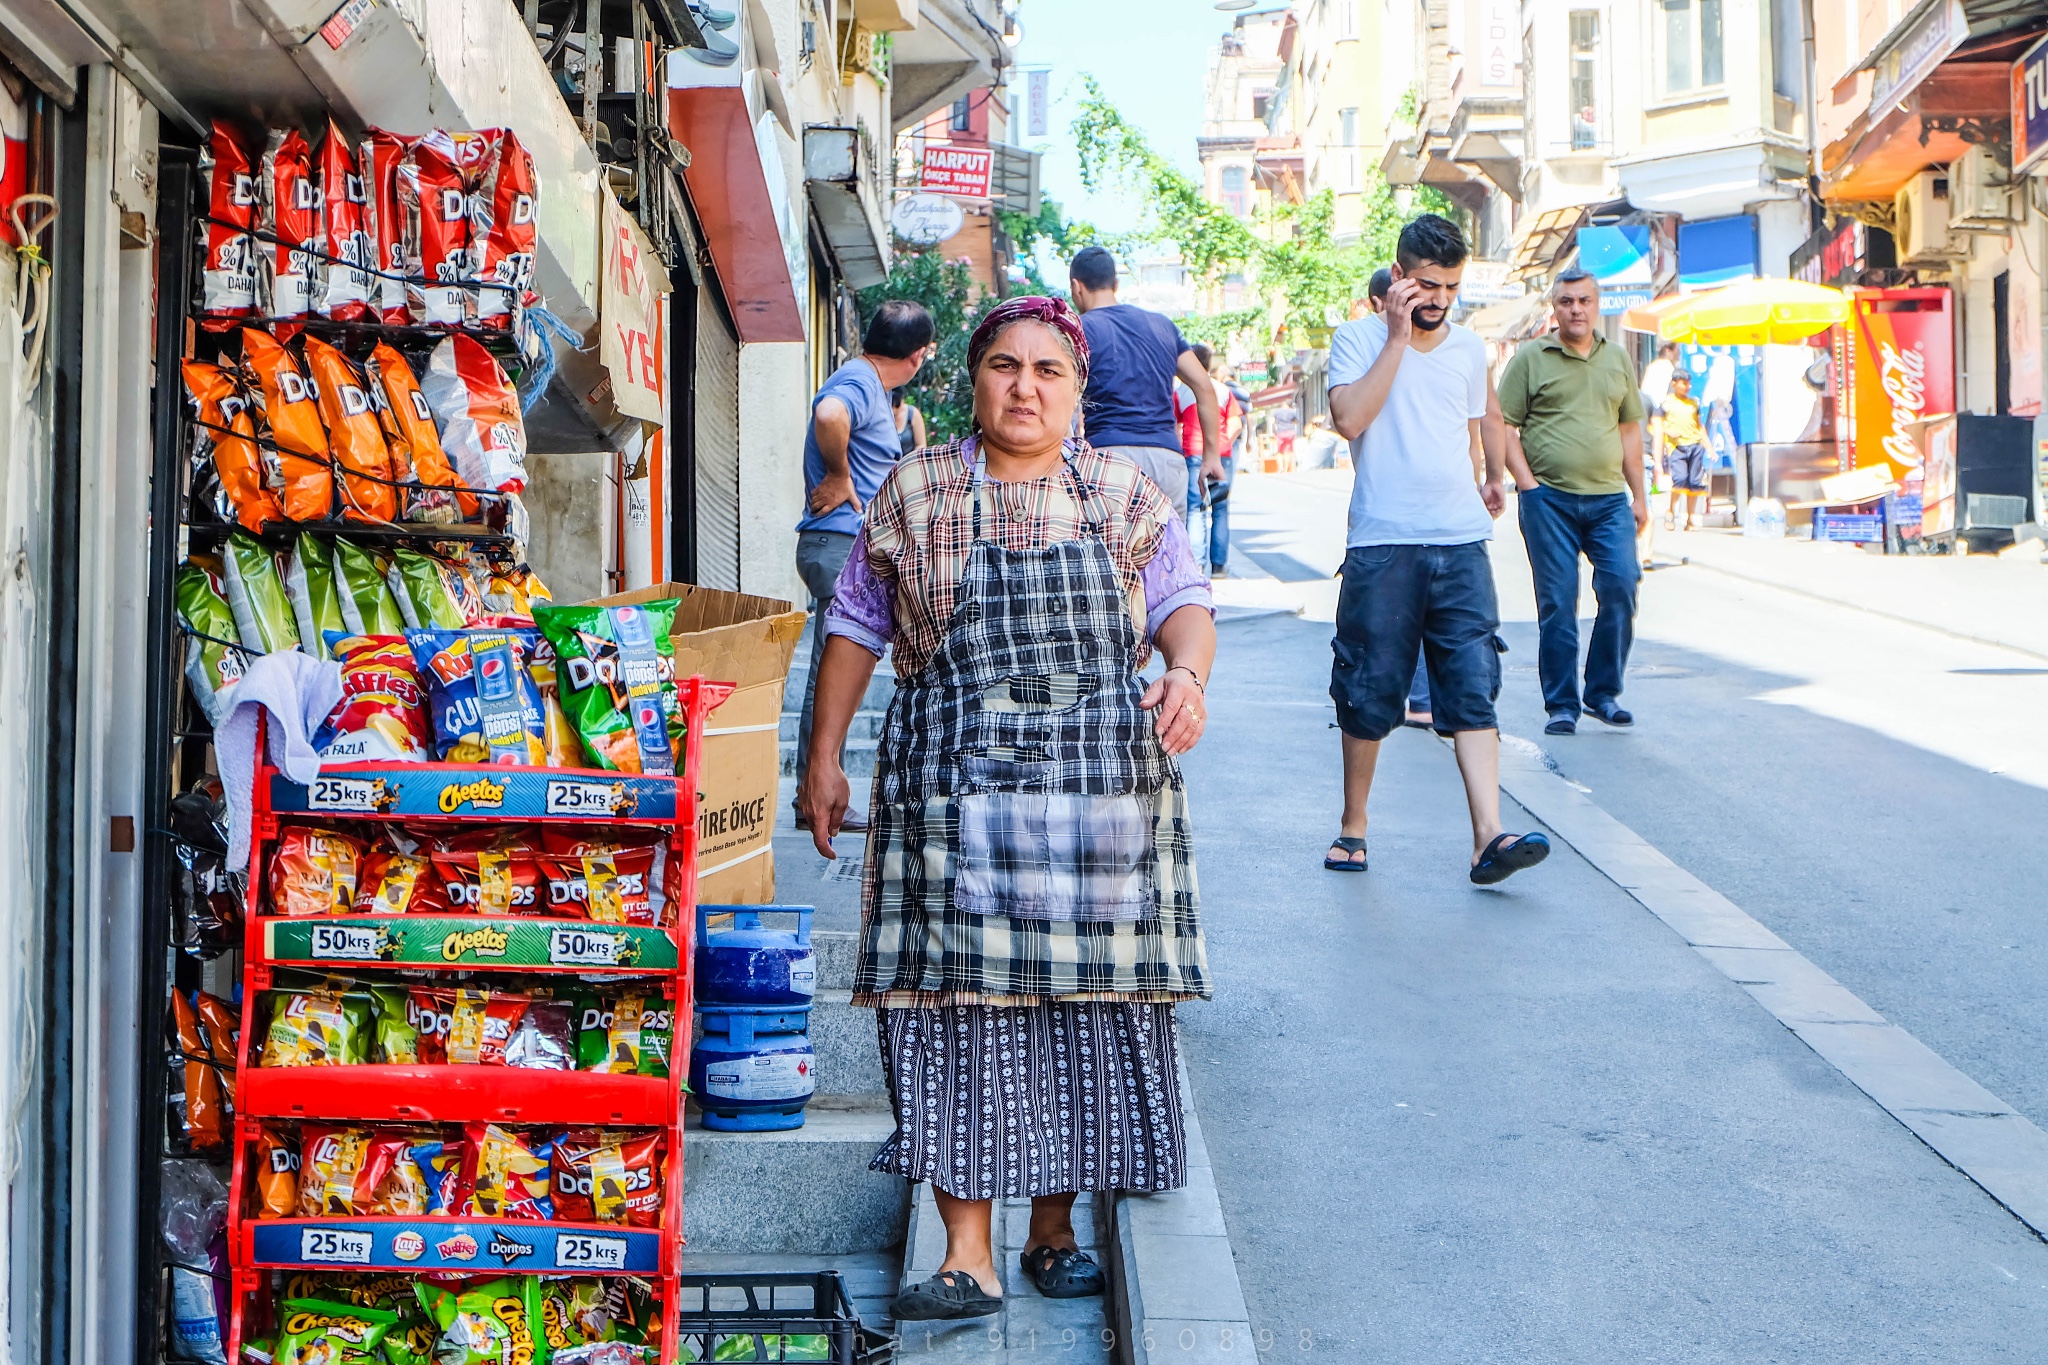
(717, 408)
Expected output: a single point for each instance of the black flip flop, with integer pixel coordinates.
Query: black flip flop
(1349, 845)
(1498, 863)
(1063, 1272)
(946, 1297)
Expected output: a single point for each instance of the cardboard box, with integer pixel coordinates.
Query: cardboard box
(747, 641)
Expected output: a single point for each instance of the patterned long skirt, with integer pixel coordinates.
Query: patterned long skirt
(998, 1101)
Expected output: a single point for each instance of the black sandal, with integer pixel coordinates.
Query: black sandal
(946, 1297)
(1063, 1272)
(1350, 845)
(1498, 863)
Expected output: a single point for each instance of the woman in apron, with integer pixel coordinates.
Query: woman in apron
(1029, 910)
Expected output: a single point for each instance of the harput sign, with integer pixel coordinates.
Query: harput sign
(950, 169)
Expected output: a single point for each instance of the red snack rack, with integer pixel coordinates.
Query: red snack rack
(454, 795)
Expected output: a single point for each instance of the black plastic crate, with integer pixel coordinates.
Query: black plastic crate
(789, 1316)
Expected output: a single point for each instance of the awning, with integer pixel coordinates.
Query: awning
(1513, 320)
(1539, 240)
(1966, 99)
(1647, 317)
(841, 181)
(1273, 397)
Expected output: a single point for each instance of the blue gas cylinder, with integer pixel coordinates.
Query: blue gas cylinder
(740, 961)
(754, 1069)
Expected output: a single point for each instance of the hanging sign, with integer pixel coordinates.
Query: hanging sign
(2030, 108)
(631, 343)
(950, 169)
(927, 219)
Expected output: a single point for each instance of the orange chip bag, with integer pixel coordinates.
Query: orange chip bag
(293, 415)
(277, 1171)
(354, 434)
(205, 1117)
(409, 422)
(314, 872)
(245, 476)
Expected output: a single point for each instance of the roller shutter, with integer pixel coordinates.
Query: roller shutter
(717, 416)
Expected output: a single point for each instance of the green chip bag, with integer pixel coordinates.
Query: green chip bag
(397, 1043)
(256, 595)
(315, 1332)
(575, 1312)
(491, 1323)
(411, 1342)
(367, 604)
(211, 668)
(773, 1347)
(430, 591)
(315, 597)
(317, 1028)
(616, 671)
(657, 1033)
(605, 1042)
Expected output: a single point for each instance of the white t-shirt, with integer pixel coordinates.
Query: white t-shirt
(1656, 382)
(1413, 482)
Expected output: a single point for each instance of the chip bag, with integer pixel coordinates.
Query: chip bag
(228, 278)
(313, 872)
(264, 621)
(354, 435)
(440, 1163)
(616, 667)
(401, 1188)
(429, 1015)
(393, 883)
(277, 1171)
(360, 1289)
(340, 1169)
(346, 230)
(315, 598)
(380, 156)
(212, 665)
(317, 1028)
(609, 882)
(313, 1332)
(504, 227)
(489, 881)
(225, 435)
(290, 245)
(414, 442)
(545, 1039)
(558, 737)
(603, 1176)
(508, 1174)
(206, 1117)
(491, 1323)
(485, 706)
(368, 606)
(382, 714)
(477, 410)
(433, 193)
(625, 1035)
(431, 592)
(292, 415)
(574, 1312)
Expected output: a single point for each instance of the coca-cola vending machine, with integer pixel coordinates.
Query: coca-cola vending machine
(1895, 364)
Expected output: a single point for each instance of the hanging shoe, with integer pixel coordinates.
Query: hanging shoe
(718, 50)
(708, 17)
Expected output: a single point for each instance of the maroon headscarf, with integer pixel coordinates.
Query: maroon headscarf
(1057, 314)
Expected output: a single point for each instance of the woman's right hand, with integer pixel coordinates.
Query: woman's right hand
(823, 798)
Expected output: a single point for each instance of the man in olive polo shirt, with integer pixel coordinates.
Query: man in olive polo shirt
(1575, 448)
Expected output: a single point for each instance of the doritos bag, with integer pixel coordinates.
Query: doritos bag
(313, 872)
(255, 593)
(382, 715)
(414, 443)
(277, 1170)
(477, 410)
(291, 223)
(353, 434)
(367, 604)
(345, 230)
(212, 668)
(245, 471)
(206, 1119)
(315, 598)
(380, 156)
(504, 230)
(433, 189)
(292, 416)
(485, 706)
(489, 881)
(508, 1173)
(608, 1177)
(616, 670)
(604, 880)
(228, 278)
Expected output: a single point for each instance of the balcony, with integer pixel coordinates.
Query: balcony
(956, 46)
(1486, 135)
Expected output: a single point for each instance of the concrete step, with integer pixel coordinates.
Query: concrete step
(881, 687)
(808, 1190)
(849, 1055)
(866, 725)
(857, 759)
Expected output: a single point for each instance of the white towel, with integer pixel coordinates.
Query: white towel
(299, 692)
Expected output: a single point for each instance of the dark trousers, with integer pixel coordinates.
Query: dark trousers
(820, 555)
(1396, 600)
(1557, 528)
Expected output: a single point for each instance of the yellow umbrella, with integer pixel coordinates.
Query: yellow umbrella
(1755, 313)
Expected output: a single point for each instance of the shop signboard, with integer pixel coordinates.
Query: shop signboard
(1487, 282)
(926, 219)
(952, 169)
(632, 346)
(1717, 251)
(1840, 254)
(1901, 368)
(1941, 29)
(1620, 260)
(2023, 334)
(2030, 108)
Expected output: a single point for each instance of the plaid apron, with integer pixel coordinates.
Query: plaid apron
(1030, 834)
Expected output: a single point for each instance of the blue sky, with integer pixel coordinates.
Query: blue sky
(1150, 57)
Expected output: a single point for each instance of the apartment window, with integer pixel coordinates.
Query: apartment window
(1233, 191)
(963, 115)
(1691, 38)
(1347, 127)
(1344, 19)
(1262, 100)
(1585, 79)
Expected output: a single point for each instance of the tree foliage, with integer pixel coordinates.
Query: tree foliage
(941, 390)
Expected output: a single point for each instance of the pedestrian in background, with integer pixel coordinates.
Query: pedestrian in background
(1286, 426)
(1685, 453)
(1136, 354)
(1418, 714)
(1206, 495)
(909, 420)
(1409, 389)
(852, 444)
(1575, 444)
(1656, 387)
(1237, 443)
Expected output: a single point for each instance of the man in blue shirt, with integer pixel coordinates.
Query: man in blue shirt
(850, 448)
(1133, 358)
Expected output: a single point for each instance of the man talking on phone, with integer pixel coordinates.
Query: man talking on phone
(1410, 390)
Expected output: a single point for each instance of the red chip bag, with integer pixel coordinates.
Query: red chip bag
(433, 190)
(346, 233)
(504, 230)
(502, 1016)
(382, 714)
(292, 415)
(508, 1174)
(608, 1177)
(402, 1190)
(611, 887)
(340, 1169)
(291, 225)
(477, 410)
(430, 1012)
(313, 872)
(239, 463)
(409, 428)
(353, 434)
(206, 1120)
(395, 884)
(489, 881)
(228, 277)
(277, 1171)
(380, 156)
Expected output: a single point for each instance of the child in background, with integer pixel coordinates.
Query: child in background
(1685, 452)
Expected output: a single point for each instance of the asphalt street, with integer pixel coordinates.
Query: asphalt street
(1531, 1124)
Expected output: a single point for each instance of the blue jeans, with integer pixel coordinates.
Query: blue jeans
(1198, 517)
(1557, 528)
(1219, 517)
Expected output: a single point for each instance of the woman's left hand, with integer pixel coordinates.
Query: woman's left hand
(1183, 711)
